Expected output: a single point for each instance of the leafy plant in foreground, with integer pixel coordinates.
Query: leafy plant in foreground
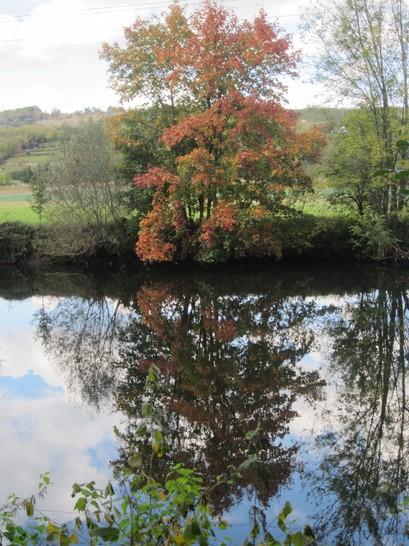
(139, 510)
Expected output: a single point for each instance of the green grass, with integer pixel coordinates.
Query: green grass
(321, 208)
(18, 212)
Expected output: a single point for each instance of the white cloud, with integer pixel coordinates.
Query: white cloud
(51, 58)
(45, 430)
(50, 434)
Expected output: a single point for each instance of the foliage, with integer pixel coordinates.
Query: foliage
(83, 193)
(372, 232)
(21, 116)
(5, 179)
(363, 55)
(364, 461)
(234, 148)
(23, 175)
(352, 161)
(16, 242)
(24, 139)
(38, 185)
(136, 135)
(140, 510)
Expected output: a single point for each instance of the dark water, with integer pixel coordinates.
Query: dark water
(316, 358)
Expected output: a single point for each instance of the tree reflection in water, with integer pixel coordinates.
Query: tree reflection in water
(365, 454)
(228, 364)
(81, 337)
(228, 361)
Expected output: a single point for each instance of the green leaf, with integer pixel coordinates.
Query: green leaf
(135, 461)
(106, 533)
(402, 145)
(109, 490)
(52, 531)
(283, 515)
(270, 540)
(147, 410)
(29, 506)
(223, 525)
(255, 530)
(76, 488)
(192, 531)
(67, 540)
(81, 504)
(308, 532)
(401, 174)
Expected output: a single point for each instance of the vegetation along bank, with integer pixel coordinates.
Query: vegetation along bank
(212, 166)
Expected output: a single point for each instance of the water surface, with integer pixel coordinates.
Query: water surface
(314, 357)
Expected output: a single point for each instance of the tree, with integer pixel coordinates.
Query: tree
(364, 459)
(351, 162)
(217, 83)
(227, 354)
(38, 186)
(83, 191)
(363, 55)
(136, 135)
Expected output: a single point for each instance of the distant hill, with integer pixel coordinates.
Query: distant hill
(29, 115)
(21, 116)
(29, 137)
(327, 118)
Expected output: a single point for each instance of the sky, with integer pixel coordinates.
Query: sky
(49, 49)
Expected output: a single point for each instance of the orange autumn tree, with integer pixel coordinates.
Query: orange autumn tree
(217, 83)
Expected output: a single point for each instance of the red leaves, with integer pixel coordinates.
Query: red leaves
(223, 218)
(153, 244)
(157, 178)
(236, 151)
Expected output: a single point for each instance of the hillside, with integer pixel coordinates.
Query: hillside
(30, 138)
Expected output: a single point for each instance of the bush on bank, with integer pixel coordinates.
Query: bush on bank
(298, 236)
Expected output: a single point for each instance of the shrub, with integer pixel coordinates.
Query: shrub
(16, 242)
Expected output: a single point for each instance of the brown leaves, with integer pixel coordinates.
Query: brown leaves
(234, 146)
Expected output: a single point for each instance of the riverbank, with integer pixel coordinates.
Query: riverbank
(303, 236)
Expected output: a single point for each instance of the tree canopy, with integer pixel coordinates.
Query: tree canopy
(234, 152)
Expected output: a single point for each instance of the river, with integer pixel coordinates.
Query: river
(313, 357)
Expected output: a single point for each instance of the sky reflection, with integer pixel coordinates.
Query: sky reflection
(42, 426)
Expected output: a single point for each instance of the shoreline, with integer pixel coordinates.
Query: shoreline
(305, 239)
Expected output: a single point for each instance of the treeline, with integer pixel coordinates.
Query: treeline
(28, 115)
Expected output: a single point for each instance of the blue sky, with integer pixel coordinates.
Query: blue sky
(43, 426)
(49, 49)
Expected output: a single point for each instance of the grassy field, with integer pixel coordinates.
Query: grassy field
(320, 207)
(15, 205)
(20, 212)
(15, 196)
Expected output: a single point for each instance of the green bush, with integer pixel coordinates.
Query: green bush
(5, 179)
(16, 242)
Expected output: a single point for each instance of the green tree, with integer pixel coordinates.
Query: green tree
(363, 467)
(363, 56)
(83, 191)
(38, 185)
(352, 161)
